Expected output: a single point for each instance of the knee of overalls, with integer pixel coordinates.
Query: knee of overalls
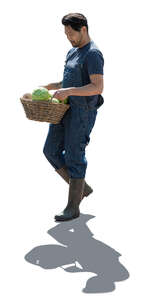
(76, 163)
(55, 140)
(56, 159)
(75, 159)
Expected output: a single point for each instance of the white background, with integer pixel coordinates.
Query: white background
(33, 51)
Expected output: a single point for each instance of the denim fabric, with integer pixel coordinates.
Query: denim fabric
(66, 142)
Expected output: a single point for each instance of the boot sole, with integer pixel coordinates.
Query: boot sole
(68, 219)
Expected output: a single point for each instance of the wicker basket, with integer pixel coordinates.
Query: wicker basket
(43, 111)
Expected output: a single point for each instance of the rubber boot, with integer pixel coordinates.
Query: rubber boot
(76, 188)
(63, 172)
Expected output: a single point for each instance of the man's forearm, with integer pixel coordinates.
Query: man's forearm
(86, 90)
(54, 86)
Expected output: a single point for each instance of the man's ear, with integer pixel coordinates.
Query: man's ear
(84, 29)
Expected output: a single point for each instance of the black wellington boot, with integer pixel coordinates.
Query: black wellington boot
(76, 188)
(63, 172)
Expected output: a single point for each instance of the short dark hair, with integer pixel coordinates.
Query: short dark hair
(75, 20)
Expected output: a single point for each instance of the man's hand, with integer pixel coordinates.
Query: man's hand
(61, 94)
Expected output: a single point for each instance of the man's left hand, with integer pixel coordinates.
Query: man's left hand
(61, 94)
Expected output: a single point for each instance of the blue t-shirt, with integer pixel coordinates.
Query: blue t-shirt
(93, 63)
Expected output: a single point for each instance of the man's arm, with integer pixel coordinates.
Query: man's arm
(93, 88)
(53, 86)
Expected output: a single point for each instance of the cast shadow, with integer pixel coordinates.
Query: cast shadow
(85, 253)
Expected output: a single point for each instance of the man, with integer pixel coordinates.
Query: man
(83, 84)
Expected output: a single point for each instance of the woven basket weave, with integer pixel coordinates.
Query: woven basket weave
(43, 111)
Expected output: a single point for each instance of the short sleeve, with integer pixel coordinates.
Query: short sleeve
(95, 62)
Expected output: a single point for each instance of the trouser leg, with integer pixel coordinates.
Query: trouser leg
(77, 137)
(54, 145)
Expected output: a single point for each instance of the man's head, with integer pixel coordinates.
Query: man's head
(76, 28)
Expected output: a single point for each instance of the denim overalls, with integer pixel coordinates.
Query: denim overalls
(66, 142)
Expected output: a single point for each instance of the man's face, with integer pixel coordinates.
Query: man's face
(75, 37)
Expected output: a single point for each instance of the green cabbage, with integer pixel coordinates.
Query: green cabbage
(40, 94)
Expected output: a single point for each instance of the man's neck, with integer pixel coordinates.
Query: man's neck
(85, 42)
